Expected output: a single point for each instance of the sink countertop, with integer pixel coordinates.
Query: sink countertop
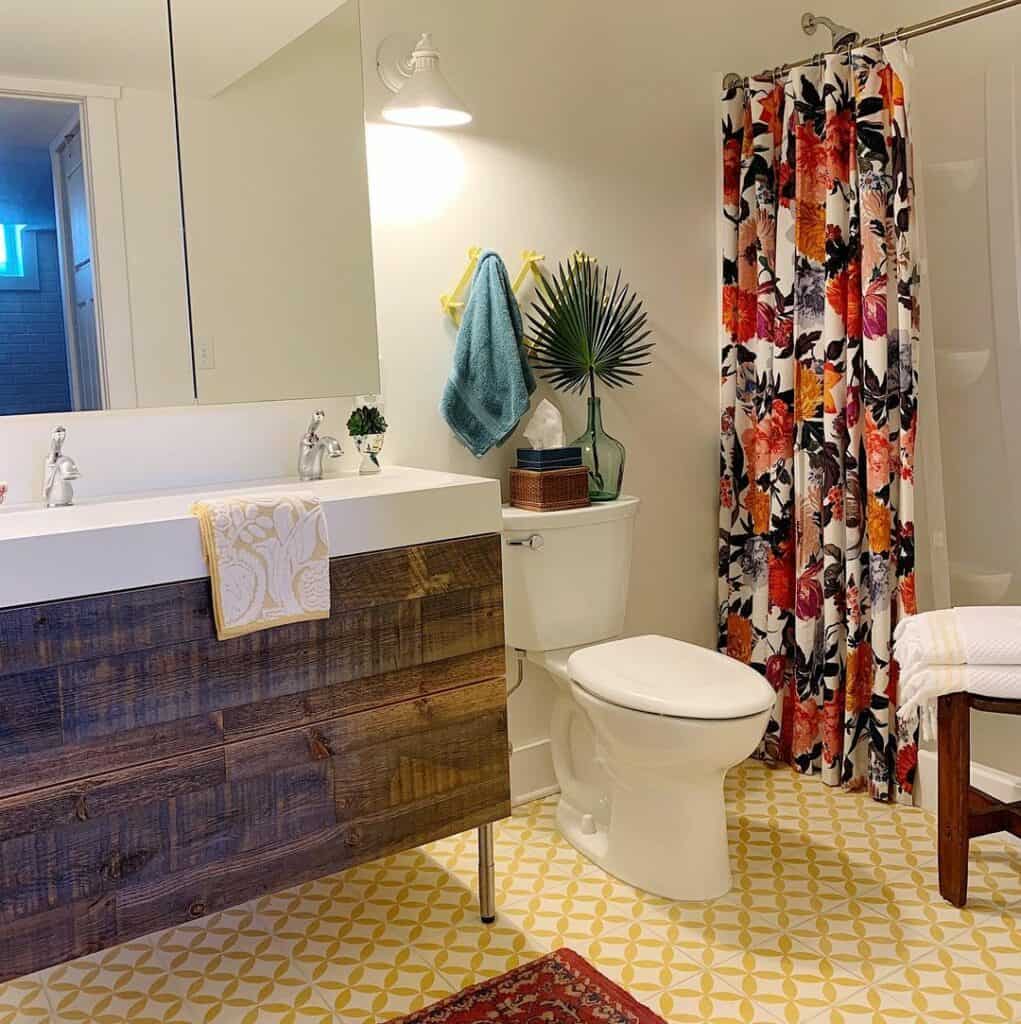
(142, 540)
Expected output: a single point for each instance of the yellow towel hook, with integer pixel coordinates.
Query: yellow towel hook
(453, 303)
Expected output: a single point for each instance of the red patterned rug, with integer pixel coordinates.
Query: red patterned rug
(560, 988)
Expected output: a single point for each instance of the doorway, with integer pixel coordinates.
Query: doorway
(50, 351)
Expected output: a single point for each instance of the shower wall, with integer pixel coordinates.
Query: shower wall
(967, 118)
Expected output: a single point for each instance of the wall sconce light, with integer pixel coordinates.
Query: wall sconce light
(423, 98)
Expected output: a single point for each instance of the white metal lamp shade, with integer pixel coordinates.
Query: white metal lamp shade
(423, 98)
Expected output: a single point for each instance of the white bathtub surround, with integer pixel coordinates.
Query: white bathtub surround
(1000, 785)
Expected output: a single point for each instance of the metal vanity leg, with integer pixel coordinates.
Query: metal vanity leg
(487, 875)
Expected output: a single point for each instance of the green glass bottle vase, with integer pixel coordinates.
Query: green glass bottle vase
(603, 456)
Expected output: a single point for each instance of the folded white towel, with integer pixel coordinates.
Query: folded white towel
(920, 688)
(959, 636)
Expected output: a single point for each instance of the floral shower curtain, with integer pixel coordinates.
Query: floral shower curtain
(819, 389)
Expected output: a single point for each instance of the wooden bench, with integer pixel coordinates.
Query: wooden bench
(964, 811)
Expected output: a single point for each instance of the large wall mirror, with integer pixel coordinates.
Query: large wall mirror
(94, 227)
(276, 202)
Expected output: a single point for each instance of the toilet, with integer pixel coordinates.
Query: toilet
(644, 729)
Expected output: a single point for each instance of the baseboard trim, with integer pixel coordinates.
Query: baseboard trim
(539, 794)
(1001, 785)
(532, 776)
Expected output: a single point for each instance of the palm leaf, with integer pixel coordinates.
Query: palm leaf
(586, 330)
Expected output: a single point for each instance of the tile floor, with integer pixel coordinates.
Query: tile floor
(834, 917)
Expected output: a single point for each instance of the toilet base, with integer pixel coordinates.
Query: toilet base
(667, 841)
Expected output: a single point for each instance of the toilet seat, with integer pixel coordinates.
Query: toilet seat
(670, 678)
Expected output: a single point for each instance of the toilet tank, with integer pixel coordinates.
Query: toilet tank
(569, 585)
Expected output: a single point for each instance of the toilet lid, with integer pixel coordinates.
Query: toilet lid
(671, 678)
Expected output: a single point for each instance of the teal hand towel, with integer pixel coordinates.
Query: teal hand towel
(491, 382)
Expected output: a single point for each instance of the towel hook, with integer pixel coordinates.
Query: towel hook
(453, 302)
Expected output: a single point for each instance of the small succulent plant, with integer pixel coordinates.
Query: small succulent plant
(366, 420)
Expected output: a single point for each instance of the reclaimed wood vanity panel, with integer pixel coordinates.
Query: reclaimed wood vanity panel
(150, 774)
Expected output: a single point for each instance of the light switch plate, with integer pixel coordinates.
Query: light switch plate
(205, 355)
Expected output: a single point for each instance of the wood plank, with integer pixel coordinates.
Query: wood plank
(110, 753)
(105, 697)
(276, 787)
(88, 860)
(112, 793)
(995, 705)
(298, 709)
(107, 625)
(29, 714)
(145, 706)
(407, 574)
(427, 721)
(56, 936)
(462, 621)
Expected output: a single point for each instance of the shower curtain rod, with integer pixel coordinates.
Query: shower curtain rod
(921, 28)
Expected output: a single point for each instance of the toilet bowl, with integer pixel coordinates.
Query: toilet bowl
(670, 719)
(644, 729)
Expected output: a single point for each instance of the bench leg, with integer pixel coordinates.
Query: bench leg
(954, 743)
(487, 875)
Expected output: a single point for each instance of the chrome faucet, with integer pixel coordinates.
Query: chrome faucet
(61, 469)
(313, 448)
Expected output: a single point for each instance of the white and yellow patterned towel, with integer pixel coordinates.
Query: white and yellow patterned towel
(269, 561)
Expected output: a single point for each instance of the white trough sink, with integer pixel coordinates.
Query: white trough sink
(146, 539)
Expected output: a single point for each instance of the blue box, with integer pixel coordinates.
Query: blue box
(551, 458)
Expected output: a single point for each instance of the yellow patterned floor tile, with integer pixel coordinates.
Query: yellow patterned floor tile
(122, 984)
(583, 910)
(995, 947)
(713, 933)
(863, 938)
(947, 987)
(466, 952)
(869, 1006)
(787, 980)
(912, 896)
(378, 984)
(230, 969)
(23, 1001)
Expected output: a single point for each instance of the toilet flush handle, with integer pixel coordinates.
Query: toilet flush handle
(535, 542)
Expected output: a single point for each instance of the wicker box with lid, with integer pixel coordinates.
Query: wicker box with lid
(552, 490)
